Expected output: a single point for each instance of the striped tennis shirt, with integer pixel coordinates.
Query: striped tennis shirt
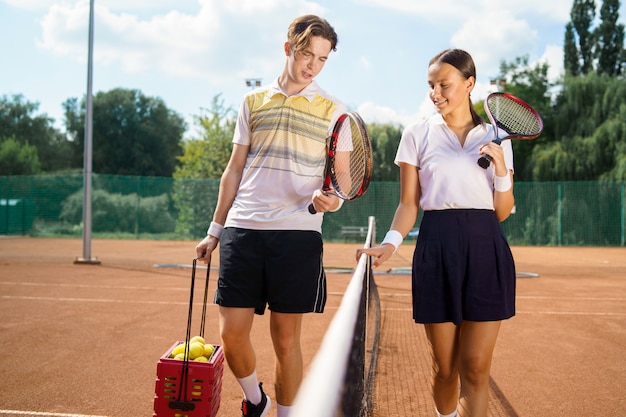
(285, 163)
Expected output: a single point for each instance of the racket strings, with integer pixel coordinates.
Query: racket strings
(514, 117)
(352, 163)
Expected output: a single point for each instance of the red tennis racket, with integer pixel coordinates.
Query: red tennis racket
(349, 159)
(514, 116)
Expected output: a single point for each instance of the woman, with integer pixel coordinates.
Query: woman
(463, 269)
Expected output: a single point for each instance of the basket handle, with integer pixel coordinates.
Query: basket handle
(180, 403)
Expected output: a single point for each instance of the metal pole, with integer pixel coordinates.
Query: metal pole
(88, 153)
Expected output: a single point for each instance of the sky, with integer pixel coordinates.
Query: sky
(187, 52)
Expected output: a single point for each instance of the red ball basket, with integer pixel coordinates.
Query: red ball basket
(188, 388)
(191, 393)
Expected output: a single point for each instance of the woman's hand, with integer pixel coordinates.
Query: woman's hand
(379, 254)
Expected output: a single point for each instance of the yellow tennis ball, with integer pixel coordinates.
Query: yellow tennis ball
(180, 356)
(196, 349)
(208, 349)
(197, 339)
(180, 348)
(201, 359)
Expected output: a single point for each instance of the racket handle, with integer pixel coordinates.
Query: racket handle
(312, 209)
(485, 160)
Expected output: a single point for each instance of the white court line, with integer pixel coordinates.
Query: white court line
(95, 300)
(39, 413)
(545, 297)
(46, 284)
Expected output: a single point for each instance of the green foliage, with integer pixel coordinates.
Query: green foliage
(132, 134)
(113, 212)
(385, 139)
(610, 36)
(207, 155)
(204, 157)
(582, 14)
(19, 121)
(18, 159)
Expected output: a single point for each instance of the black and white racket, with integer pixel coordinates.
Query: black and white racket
(514, 116)
(349, 159)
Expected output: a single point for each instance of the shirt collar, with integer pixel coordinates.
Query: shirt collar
(309, 92)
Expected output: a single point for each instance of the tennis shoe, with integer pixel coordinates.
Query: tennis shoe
(259, 410)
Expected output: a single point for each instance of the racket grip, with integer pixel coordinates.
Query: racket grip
(484, 161)
(312, 209)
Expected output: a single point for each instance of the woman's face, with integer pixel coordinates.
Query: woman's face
(449, 89)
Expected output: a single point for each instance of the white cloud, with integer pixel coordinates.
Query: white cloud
(208, 40)
(494, 37)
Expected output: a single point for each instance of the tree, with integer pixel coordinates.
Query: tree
(582, 14)
(385, 139)
(19, 121)
(590, 132)
(610, 37)
(207, 155)
(132, 134)
(17, 158)
(204, 157)
(571, 57)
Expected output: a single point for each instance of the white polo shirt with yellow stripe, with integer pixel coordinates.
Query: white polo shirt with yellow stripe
(285, 164)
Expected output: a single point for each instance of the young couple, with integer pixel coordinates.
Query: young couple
(271, 246)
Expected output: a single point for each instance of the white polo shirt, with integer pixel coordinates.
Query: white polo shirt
(449, 175)
(285, 163)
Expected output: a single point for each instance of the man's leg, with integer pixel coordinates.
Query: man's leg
(285, 330)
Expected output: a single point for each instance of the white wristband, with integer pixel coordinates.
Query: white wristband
(394, 237)
(215, 230)
(502, 184)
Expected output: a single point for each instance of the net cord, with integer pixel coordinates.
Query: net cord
(317, 396)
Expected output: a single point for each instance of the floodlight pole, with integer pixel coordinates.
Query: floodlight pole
(87, 157)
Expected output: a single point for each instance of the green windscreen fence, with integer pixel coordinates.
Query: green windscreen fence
(546, 214)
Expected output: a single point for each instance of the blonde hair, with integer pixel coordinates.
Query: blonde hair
(304, 27)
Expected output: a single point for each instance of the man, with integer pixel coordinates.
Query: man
(270, 245)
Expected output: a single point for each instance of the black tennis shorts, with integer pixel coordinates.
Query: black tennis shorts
(463, 268)
(280, 269)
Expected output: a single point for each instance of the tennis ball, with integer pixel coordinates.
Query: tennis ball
(196, 349)
(201, 359)
(180, 356)
(178, 349)
(208, 349)
(197, 339)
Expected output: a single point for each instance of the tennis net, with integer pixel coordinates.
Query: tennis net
(340, 381)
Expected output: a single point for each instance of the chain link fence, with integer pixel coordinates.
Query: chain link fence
(580, 213)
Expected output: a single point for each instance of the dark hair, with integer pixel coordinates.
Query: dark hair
(304, 27)
(462, 61)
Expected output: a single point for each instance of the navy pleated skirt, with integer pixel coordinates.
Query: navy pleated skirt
(463, 268)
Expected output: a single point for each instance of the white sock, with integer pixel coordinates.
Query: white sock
(250, 387)
(282, 410)
(452, 414)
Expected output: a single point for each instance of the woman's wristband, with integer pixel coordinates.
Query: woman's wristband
(215, 230)
(502, 184)
(394, 237)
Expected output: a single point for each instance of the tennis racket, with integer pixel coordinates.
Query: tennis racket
(514, 116)
(349, 159)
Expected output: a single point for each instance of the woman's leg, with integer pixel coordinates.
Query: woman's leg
(443, 338)
(477, 341)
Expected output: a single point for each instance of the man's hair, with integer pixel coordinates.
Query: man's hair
(304, 27)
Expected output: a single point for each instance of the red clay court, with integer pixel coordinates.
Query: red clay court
(84, 340)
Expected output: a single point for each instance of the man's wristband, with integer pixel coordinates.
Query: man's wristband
(502, 184)
(394, 237)
(215, 230)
